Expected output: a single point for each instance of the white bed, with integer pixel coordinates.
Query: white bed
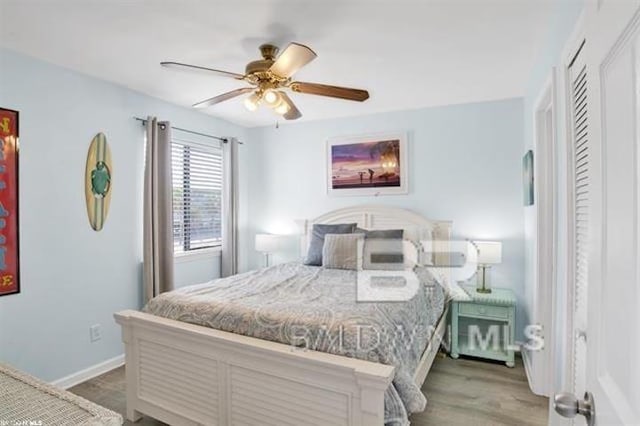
(187, 374)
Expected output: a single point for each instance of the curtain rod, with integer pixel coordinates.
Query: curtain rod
(223, 140)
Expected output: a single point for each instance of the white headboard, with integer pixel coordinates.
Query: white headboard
(415, 226)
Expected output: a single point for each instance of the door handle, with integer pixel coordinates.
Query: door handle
(567, 405)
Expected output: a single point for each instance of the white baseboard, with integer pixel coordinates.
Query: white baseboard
(89, 373)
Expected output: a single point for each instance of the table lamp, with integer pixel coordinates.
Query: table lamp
(489, 253)
(267, 244)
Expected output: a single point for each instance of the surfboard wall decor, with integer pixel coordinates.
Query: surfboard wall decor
(97, 178)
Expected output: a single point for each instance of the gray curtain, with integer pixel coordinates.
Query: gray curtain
(157, 212)
(230, 207)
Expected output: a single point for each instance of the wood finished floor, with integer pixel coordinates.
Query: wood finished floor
(470, 392)
(459, 392)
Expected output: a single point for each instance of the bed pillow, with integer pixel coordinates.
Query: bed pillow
(340, 251)
(314, 254)
(383, 249)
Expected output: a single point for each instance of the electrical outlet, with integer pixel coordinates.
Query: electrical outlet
(95, 333)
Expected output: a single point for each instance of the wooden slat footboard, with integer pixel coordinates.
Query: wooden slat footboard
(185, 374)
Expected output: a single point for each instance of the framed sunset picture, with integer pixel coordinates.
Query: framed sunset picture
(367, 165)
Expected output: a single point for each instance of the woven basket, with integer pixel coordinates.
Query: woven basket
(25, 400)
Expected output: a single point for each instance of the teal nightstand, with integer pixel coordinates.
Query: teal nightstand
(485, 326)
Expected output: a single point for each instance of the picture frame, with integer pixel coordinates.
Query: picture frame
(9, 202)
(528, 179)
(368, 165)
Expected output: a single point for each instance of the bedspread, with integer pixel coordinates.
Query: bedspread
(316, 308)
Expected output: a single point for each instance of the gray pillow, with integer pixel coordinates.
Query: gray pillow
(314, 254)
(385, 234)
(340, 251)
(383, 249)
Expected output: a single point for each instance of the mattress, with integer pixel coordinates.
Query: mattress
(316, 308)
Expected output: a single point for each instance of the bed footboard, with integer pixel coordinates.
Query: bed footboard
(184, 374)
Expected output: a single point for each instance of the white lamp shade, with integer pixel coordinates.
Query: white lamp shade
(489, 252)
(268, 243)
(469, 254)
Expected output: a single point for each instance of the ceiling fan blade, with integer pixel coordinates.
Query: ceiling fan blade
(331, 91)
(223, 97)
(293, 113)
(187, 67)
(294, 57)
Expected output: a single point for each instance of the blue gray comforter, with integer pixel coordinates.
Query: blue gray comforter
(316, 308)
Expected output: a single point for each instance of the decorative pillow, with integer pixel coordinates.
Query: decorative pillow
(383, 249)
(314, 254)
(340, 251)
(456, 292)
(428, 255)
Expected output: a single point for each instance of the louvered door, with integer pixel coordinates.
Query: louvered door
(579, 181)
(604, 172)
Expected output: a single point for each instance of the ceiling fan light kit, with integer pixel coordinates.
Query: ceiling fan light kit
(252, 102)
(270, 76)
(271, 97)
(281, 106)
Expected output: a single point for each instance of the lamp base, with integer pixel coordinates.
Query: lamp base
(483, 284)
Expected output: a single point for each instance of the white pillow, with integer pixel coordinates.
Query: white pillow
(456, 292)
(452, 288)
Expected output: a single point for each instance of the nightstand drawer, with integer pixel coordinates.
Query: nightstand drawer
(479, 310)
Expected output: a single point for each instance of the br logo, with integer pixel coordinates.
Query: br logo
(388, 282)
(399, 282)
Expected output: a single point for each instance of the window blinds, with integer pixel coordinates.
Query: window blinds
(197, 195)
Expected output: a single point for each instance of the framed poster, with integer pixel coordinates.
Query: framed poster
(367, 165)
(527, 178)
(9, 230)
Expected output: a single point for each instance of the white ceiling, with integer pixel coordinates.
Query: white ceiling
(407, 53)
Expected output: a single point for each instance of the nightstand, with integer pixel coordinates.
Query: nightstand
(485, 326)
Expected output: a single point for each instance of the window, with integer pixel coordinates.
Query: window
(197, 196)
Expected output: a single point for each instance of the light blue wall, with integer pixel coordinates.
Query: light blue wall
(73, 277)
(189, 271)
(560, 28)
(465, 165)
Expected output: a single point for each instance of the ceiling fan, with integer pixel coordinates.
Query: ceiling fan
(270, 76)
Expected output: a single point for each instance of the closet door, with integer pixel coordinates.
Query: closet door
(606, 225)
(613, 329)
(579, 180)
